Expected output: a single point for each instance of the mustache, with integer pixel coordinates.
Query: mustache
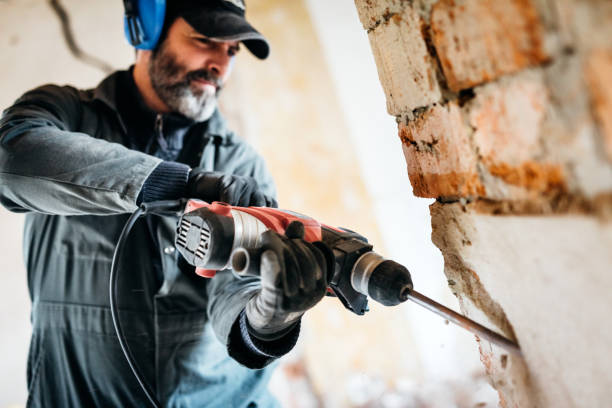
(206, 75)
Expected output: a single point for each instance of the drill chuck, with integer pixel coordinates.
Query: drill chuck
(383, 280)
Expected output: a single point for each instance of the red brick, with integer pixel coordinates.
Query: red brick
(585, 24)
(531, 175)
(405, 68)
(507, 119)
(440, 160)
(478, 41)
(599, 80)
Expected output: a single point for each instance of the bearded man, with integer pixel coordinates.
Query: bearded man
(79, 161)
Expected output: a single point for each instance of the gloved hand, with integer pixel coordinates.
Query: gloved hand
(293, 279)
(232, 189)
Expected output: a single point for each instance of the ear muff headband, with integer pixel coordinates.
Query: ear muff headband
(143, 22)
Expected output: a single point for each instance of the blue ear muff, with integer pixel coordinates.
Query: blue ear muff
(143, 22)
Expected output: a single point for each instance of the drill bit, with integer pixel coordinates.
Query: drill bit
(463, 321)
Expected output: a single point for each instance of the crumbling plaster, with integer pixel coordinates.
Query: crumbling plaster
(545, 281)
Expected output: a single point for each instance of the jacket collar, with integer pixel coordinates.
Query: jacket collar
(106, 92)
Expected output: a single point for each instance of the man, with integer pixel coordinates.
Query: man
(78, 162)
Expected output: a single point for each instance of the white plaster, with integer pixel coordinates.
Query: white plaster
(551, 276)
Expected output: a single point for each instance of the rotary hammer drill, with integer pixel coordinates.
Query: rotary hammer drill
(219, 236)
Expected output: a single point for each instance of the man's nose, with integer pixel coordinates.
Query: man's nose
(219, 62)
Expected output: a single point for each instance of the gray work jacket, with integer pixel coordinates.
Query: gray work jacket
(70, 159)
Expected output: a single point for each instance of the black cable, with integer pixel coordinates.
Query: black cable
(115, 313)
(78, 53)
(160, 208)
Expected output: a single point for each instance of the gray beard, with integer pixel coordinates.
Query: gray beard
(174, 89)
(197, 107)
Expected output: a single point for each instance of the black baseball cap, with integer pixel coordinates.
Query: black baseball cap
(221, 20)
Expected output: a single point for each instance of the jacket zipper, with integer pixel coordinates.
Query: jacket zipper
(159, 131)
(159, 124)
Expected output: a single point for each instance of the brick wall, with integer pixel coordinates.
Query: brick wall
(504, 110)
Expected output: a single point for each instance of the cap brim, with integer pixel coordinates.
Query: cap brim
(227, 26)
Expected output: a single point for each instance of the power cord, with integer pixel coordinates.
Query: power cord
(159, 208)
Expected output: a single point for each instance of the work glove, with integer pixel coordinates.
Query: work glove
(230, 188)
(293, 279)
